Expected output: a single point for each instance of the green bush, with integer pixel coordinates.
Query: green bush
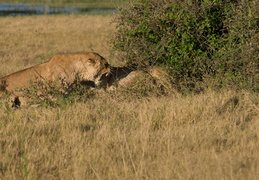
(193, 39)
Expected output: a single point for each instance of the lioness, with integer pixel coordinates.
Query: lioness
(66, 67)
(125, 77)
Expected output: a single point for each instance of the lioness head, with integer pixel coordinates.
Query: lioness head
(92, 67)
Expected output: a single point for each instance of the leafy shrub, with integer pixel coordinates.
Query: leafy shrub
(194, 39)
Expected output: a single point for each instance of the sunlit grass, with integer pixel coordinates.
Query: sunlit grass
(30, 40)
(206, 136)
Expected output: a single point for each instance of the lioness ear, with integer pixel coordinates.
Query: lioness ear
(90, 60)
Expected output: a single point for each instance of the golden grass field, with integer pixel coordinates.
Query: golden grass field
(211, 135)
(26, 41)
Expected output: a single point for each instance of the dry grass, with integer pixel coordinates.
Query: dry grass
(26, 41)
(213, 135)
(207, 136)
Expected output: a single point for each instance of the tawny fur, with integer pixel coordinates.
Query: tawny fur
(66, 67)
(125, 77)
